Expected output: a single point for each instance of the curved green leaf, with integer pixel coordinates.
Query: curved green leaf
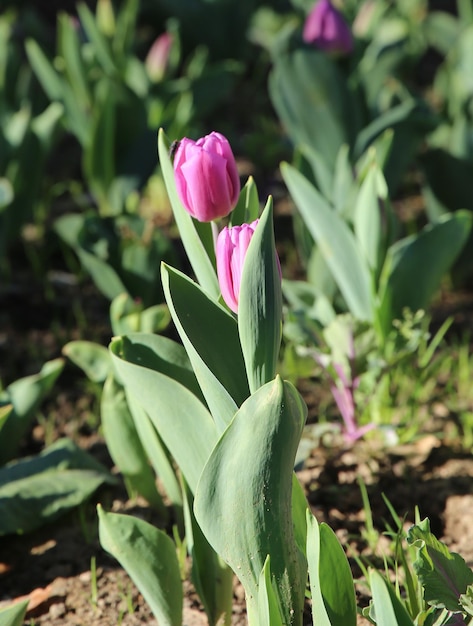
(182, 421)
(336, 242)
(36, 490)
(415, 266)
(91, 357)
(260, 304)
(149, 557)
(310, 97)
(243, 501)
(14, 614)
(388, 609)
(336, 580)
(209, 334)
(124, 444)
(25, 395)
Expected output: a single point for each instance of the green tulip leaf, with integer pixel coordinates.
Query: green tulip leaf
(70, 49)
(25, 394)
(181, 420)
(367, 218)
(260, 304)
(202, 264)
(319, 610)
(159, 353)
(336, 242)
(149, 556)
(156, 453)
(124, 444)
(209, 334)
(36, 490)
(387, 608)
(91, 357)
(243, 499)
(14, 614)
(268, 609)
(212, 578)
(415, 266)
(247, 208)
(311, 99)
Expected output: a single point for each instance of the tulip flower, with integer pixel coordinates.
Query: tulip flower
(206, 177)
(232, 244)
(326, 29)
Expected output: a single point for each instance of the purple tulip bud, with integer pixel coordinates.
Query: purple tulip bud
(157, 58)
(326, 29)
(232, 244)
(206, 176)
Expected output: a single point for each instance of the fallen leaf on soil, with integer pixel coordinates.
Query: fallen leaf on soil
(36, 598)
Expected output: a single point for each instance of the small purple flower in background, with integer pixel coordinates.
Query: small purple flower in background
(326, 29)
(206, 175)
(156, 61)
(232, 244)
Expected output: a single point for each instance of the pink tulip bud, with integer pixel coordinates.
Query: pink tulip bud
(325, 28)
(206, 177)
(232, 244)
(157, 58)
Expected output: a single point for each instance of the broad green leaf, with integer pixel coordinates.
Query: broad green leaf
(156, 453)
(247, 208)
(14, 614)
(444, 575)
(441, 30)
(69, 228)
(260, 304)
(100, 44)
(36, 490)
(44, 125)
(323, 173)
(149, 557)
(336, 242)
(299, 508)
(182, 421)
(202, 265)
(388, 609)
(367, 216)
(74, 66)
(26, 395)
(127, 315)
(336, 580)
(319, 611)
(124, 444)
(268, 609)
(415, 266)
(212, 578)
(91, 357)
(50, 80)
(98, 158)
(161, 354)
(243, 501)
(209, 334)
(311, 99)
(408, 110)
